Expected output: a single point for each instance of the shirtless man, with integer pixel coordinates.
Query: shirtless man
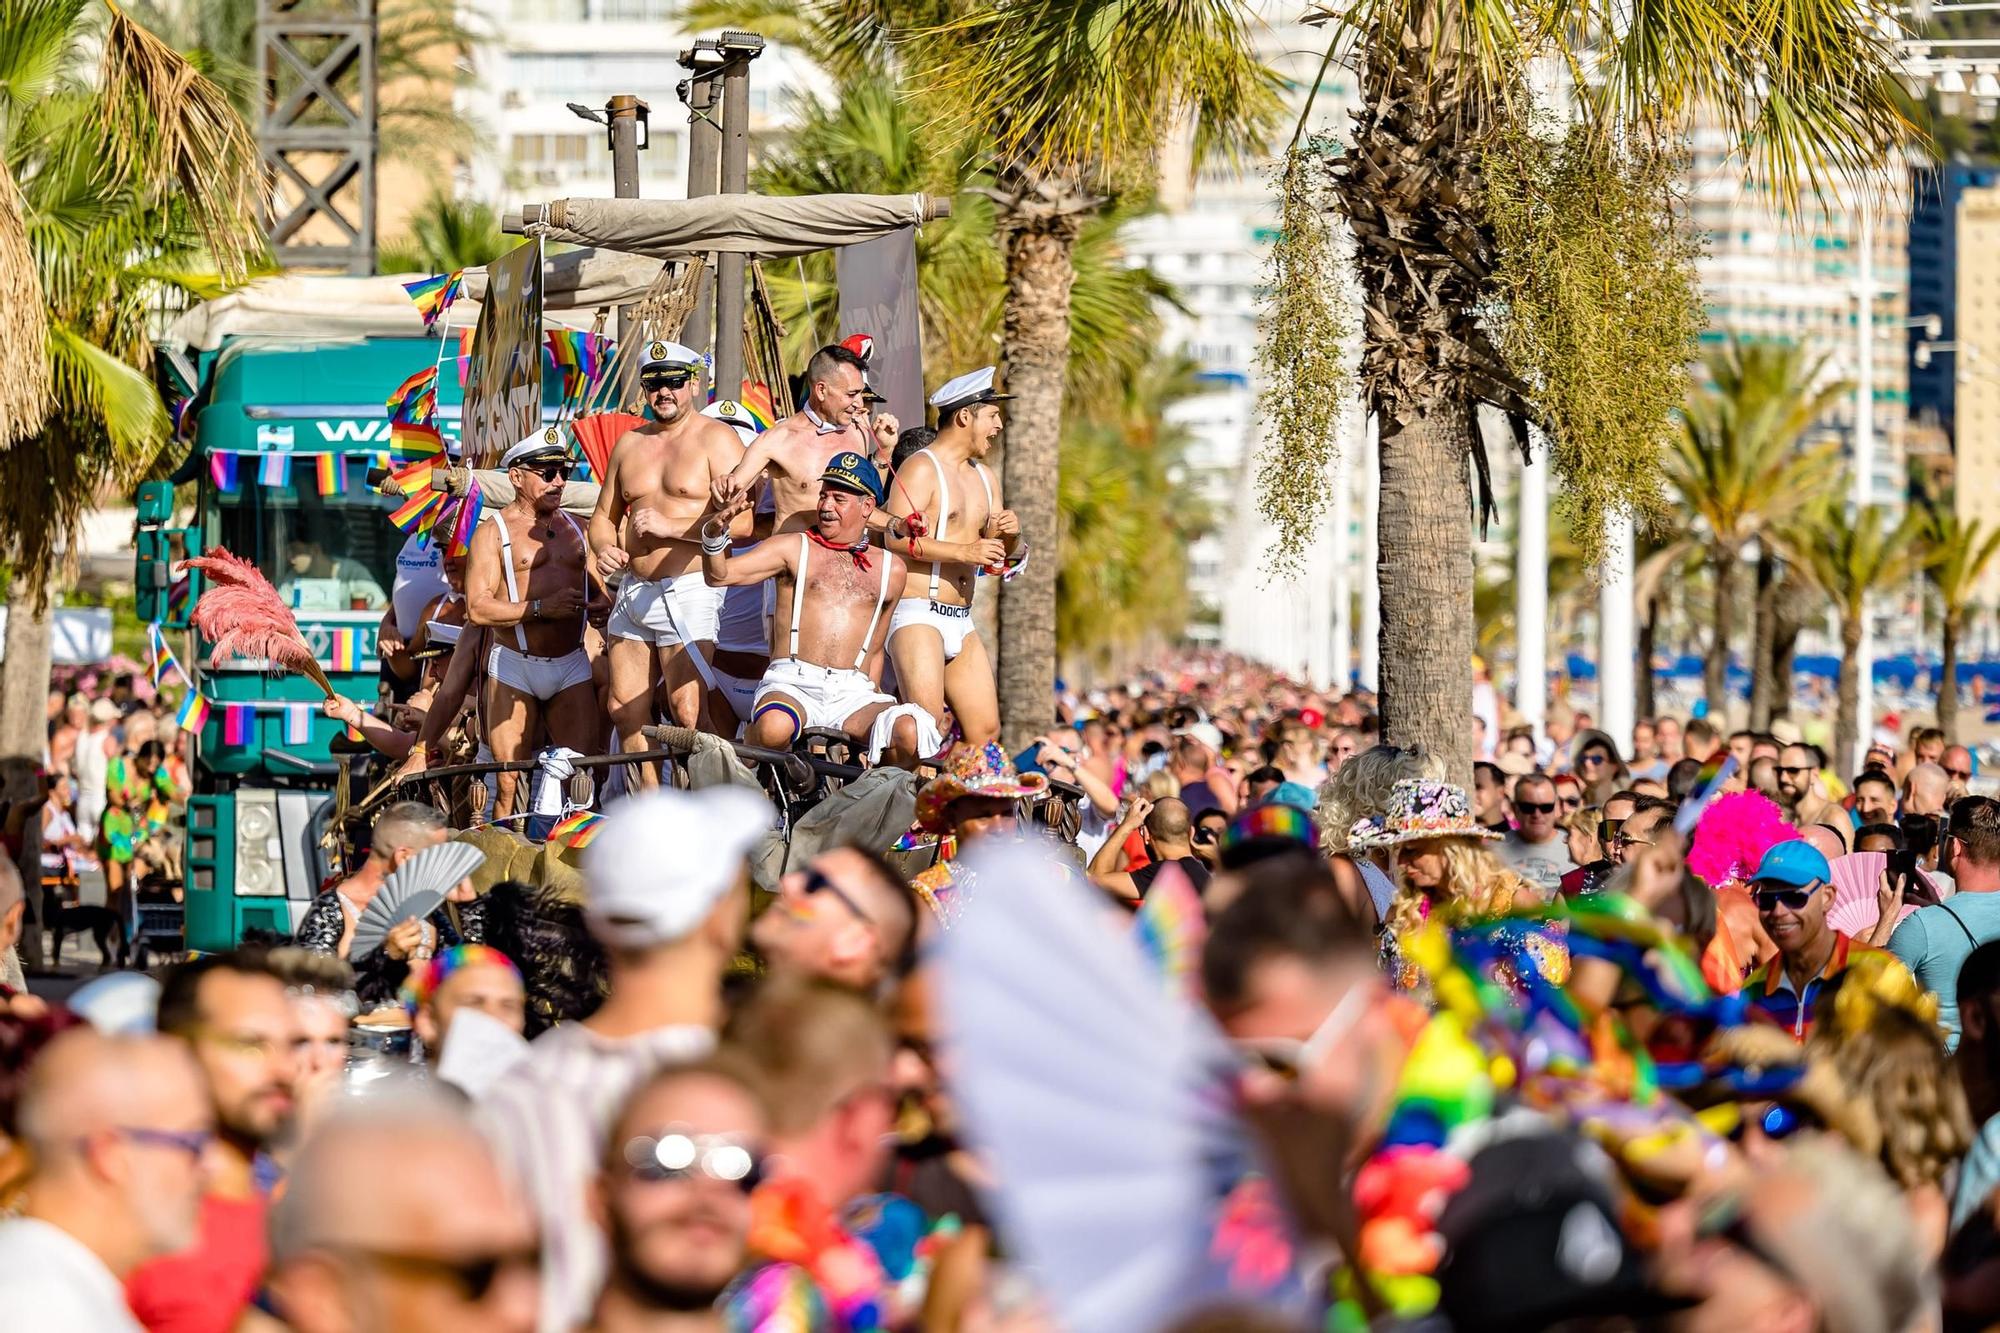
(797, 450)
(937, 652)
(650, 507)
(525, 583)
(833, 593)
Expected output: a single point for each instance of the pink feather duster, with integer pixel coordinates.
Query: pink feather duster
(1733, 834)
(243, 616)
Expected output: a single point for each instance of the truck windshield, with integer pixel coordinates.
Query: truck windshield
(324, 553)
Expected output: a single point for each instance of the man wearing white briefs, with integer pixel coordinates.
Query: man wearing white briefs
(936, 650)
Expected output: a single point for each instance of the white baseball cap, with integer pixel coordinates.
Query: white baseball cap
(665, 858)
(1206, 732)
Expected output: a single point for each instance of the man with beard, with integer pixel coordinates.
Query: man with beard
(525, 583)
(651, 505)
(1798, 788)
(833, 591)
(674, 1198)
(937, 651)
(232, 1012)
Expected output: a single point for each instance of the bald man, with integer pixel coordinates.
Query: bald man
(444, 1247)
(119, 1130)
(1169, 841)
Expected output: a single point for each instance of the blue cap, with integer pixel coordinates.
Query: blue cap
(1795, 862)
(1295, 794)
(851, 472)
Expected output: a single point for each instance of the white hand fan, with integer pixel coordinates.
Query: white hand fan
(412, 892)
(1102, 1100)
(1856, 880)
(478, 1049)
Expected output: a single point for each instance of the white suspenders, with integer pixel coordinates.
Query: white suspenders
(944, 506)
(799, 602)
(507, 567)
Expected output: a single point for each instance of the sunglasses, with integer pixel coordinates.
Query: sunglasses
(1593, 759)
(193, 1142)
(1572, 803)
(674, 1155)
(472, 1274)
(548, 471)
(665, 379)
(1770, 899)
(1288, 1058)
(817, 882)
(1535, 807)
(1962, 774)
(1785, 768)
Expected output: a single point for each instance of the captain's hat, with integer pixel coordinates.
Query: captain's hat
(659, 352)
(967, 390)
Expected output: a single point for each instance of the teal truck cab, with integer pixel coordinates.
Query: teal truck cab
(284, 430)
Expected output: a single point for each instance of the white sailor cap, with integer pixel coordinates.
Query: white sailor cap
(968, 389)
(661, 353)
(542, 446)
(732, 412)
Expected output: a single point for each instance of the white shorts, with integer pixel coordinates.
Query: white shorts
(953, 623)
(666, 613)
(542, 677)
(746, 618)
(831, 695)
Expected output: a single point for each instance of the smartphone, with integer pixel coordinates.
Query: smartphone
(1903, 868)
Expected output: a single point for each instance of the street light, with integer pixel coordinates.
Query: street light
(1928, 348)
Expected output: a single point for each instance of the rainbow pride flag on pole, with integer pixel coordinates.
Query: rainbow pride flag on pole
(580, 358)
(415, 399)
(410, 441)
(163, 658)
(433, 296)
(576, 830)
(193, 714)
(418, 513)
(756, 400)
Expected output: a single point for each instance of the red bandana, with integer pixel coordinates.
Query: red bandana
(859, 550)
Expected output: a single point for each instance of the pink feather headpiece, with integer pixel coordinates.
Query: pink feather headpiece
(1733, 834)
(243, 616)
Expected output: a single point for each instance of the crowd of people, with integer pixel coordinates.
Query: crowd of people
(1686, 1033)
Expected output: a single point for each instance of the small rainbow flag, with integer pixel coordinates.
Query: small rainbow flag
(756, 400)
(466, 521)
(415, 399)
(275, 470)
(577, 829)
(193, 714)
(433, 296)
(464, 355)
(346, 650)
(236, 722)
(411, 478)
(222, 471)
(419, 512)
(332, 473)
(1707, 785)
(163, 657)
(298, 724)
(580, 358)
(409, 441)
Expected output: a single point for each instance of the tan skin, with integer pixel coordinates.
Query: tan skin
(793, 453)
(549, 557)
(840, 598)
(986, 535)
(654, 498)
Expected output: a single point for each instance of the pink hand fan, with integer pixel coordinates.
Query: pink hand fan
(1856, 880)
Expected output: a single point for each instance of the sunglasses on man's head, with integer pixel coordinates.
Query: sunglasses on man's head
(1535, 807)
(664, 379)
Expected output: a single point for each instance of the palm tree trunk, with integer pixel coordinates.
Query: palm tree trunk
(24, 683)
(1038, 227)
(1424, 564)
(1947, 704)
(1847, 719)
(1763, 638)
(1649, 637)
(1715, 672)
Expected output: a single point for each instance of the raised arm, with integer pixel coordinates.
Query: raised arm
(605, 520)
(743, 476)
(720, 569)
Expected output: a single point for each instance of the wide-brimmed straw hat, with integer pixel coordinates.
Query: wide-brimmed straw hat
(983, 770)
(1419, 808)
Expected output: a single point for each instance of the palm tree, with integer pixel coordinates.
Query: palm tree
(1067, 103)
(446, 234)
(1737, 466)
(1849, 557)
(127, 176)
(1959, 554)
(1547, 275)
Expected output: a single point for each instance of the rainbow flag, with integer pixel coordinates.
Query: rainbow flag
(415, 399)
(409, 441)
(755, 398)
(411, 478)
(346, 650)
(578, 356)
(222, 471)
(275, 470)
(236, 724)
(464, 355)
(577, 829)
(193, 714)
(466, 521)
(332, 473)
(298, 724)
(419, 512)
(433, 296)
(163, 658)
(1707, 786)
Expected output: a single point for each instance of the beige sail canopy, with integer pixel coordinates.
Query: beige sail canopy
(769, 225)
